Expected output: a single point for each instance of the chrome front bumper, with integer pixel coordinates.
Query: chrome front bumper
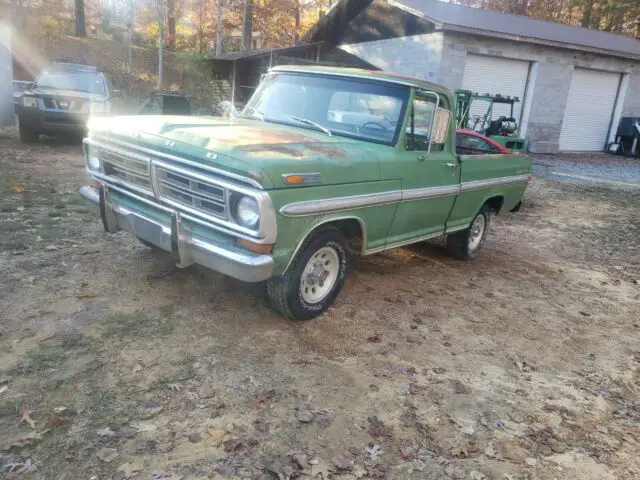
(172, 238)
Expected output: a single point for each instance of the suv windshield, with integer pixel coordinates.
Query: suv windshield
(350, 107)
(82, 82)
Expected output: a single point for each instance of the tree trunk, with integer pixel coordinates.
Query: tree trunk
(201, 21)
(171, 24)
(586, 13)
(81, 25)
(247, 25)
(296, 16)
(219, 28)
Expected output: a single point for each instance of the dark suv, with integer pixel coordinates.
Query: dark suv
(61, 99)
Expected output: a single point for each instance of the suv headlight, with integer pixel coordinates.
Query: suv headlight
(248, 212)
(29, 102)
(96, 107)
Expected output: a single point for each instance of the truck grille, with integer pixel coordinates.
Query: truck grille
(130, 170)
(191, 192)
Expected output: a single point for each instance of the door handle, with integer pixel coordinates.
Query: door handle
(451, 165)
(422, 158)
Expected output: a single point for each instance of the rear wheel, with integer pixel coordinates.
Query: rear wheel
(27, 134)
(466, 244)
(315, 277)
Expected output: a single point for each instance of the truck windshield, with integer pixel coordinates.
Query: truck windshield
(367, 110)
(81, 82)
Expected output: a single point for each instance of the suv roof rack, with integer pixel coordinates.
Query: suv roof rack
(73, 67)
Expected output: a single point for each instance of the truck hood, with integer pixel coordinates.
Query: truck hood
(263, 151)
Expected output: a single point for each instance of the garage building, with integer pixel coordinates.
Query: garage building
(574, 84)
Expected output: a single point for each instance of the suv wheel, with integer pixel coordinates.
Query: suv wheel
(315, 277)
(27, 134)
(466, 244)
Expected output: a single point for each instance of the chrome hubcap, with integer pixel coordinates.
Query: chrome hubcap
(320, 275)
(477, 231)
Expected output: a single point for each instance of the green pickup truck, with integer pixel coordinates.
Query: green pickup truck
(322, 163)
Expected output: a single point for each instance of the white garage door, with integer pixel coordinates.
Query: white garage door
(587, 116)
(496, 75)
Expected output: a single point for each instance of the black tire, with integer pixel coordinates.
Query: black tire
(459, 244)
(517, 207)
(285, 292)
(27, 134)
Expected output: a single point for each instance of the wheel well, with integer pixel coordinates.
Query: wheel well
(495, 204)
(352, 229)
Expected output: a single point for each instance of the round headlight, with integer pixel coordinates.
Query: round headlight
(94, 162)
(248, 212)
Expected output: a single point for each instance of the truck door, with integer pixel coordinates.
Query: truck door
(427, 168)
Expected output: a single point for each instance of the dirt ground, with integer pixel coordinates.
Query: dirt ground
(522, 364)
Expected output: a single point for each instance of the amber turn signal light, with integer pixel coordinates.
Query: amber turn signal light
(291, 179)
(261, 248)
(95, 184)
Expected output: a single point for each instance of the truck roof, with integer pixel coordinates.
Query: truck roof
(364, 74)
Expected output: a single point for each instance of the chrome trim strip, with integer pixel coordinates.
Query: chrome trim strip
(94, 143)
(403, 243)
(430, 192)
(329, 205)
(110, 180)
(455, 229)
(315, 226)
(205, 179)
(223, 173)
(492, 182)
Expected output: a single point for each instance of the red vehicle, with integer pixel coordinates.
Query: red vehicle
(470, 142)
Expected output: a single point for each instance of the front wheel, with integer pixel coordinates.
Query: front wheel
(315, 277)
(466, 244)
(27, 134)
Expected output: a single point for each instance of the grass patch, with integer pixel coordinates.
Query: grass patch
(45, 357)
(133, 324)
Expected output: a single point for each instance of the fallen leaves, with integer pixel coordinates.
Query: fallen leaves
(375, 338)
(107, 455)
(106, 432)
(17, 187)
(378, 429)
(25, 440)
(319, 467)
(217, 436)
(25, 417)
(464, 450)
(373, 451)
(342, 463)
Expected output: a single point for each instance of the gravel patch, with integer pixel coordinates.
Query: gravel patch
(589, 169)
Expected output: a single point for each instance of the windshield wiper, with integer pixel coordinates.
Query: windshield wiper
(311, 122)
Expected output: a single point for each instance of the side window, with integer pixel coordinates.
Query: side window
(428, 123)
(474, 143)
